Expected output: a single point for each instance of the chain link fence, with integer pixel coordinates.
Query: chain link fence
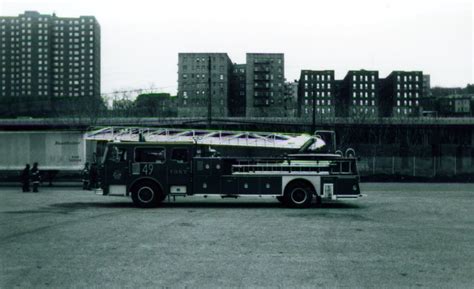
(416, 161)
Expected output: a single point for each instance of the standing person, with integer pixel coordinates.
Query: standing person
(86, 185)
(35, 177)
(94, 175)
(25, 178)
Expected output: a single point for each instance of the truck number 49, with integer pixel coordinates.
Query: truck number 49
(147, 169)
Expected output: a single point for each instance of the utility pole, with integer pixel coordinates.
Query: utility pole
(209, 97)
(313, 125)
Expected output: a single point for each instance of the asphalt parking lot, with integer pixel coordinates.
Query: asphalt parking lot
(399, 236)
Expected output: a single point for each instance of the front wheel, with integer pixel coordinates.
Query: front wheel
(147, 194)
(299, 195)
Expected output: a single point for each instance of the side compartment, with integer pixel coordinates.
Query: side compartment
(250, 185)
(206, 176)
(340, 186)
(270, 185)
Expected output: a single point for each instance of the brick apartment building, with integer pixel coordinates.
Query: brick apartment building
(265, 85)
(358, 94)
(317, 90)
(201, 74)
(400, 94)
(237, 98)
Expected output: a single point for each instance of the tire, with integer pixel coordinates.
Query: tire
(299, 195)
(281, 199)
(319, 201)
(161, 198)
(147, 194)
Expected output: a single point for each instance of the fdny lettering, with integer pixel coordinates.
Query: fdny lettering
(178, 171)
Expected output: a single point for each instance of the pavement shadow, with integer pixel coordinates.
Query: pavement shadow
(221, 205)
(85, 205)
(66, 208)
(196, 204)
(340, 206)
(39, 211)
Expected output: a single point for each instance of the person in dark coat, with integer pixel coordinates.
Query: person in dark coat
(25, 178)
(86, 184)
(35, 177)
(94, 177)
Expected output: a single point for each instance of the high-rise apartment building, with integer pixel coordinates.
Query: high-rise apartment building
(238, 92)
(400, 94)
(47, 59)
(317, 86)
(265, 85)
(203, 78)
(358, 94)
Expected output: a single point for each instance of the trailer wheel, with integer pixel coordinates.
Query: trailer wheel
(299, 195)
(147, 194)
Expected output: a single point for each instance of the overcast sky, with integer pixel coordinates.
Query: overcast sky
(141, 39)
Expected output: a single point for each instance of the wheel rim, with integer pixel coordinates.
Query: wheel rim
(299, 196)
(145, 194)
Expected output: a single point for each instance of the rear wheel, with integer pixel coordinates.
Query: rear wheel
(147, 194)
(299, 195)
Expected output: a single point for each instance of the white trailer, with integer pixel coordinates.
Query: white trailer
(52, 150)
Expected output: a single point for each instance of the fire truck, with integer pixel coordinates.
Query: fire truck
(150, 165)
